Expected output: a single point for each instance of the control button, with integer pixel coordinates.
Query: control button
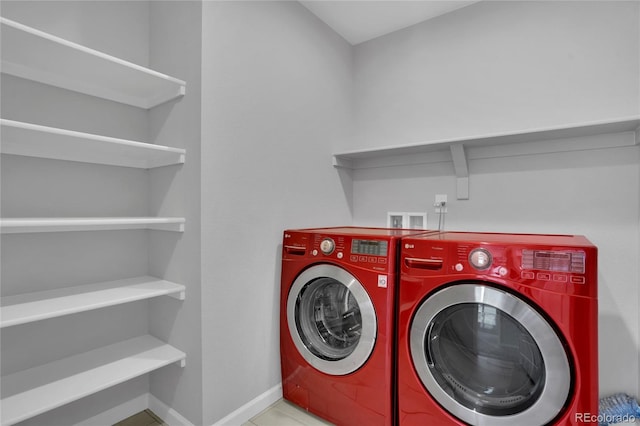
(577, 280)
(543, 276)
(327, 246)
(528, 275)
(560, 278)
(459, 267)
(502, 271)
(480, 259)
(362, 258)
(340, 255)
(353, 258)
(382, 260)
(372, 259)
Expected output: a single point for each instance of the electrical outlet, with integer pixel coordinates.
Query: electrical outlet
(440, 203)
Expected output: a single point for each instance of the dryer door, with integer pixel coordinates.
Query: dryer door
(488, 357)
(331, 319)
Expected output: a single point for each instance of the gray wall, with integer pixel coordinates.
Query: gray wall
(507, 66)
(498, 66)
(175, 49)
(276, 91)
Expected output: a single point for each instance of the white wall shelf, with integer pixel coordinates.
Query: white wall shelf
(33, 140)
(34, 391)
(28, 225)
(36, 55)
(37, 306)
(454, 149)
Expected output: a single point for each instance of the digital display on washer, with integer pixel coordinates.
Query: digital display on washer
(371, 247)
(546, 260)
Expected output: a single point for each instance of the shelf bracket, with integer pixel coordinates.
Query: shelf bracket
(182, 363)
(462, 171)
(342, 163)
(179, 295)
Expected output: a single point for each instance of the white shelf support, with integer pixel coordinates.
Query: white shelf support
(38, 306)
(532, 140)
(39, 389)
(462, 170)
(27, 225)
(178, 296)
(34, 140)
(342, 163)
(36, 55)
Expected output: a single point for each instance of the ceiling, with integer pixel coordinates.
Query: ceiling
(358, 21)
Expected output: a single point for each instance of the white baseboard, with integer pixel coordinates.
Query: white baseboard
(252, 408)
(119, 412)
(166, 413)
(129, 408)
(172, 418)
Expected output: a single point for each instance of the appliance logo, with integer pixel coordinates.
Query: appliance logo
(287, 235)
(409, 246)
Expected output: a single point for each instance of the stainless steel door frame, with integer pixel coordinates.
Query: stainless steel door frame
(550, 401)
(366, 342)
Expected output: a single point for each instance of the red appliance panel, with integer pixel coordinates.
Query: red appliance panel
(560, 289)
(363, 396)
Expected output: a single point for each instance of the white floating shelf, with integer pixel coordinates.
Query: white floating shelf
(33, 140)
(37, 390)
(406, 154)
(30, 307)
(35, 55)
(27, 225)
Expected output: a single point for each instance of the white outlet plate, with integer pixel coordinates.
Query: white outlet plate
(417, 220)
(407, 220)
(438, 203)
(396, 219)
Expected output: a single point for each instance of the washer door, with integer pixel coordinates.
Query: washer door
(331, 319)
(488, 357)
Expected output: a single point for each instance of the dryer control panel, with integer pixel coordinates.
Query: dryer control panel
(560, 263)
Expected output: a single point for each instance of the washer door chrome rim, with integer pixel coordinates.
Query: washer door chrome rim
(328, 362)
(548, 403)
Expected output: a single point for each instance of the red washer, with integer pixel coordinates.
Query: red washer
(337, 327)
(497, 329)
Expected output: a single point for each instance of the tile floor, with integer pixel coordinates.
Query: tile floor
(282, 413)
(143, 418)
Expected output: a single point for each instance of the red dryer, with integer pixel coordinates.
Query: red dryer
(337, 326)
(497, 329)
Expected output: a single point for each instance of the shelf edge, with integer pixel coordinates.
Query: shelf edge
(94, 298)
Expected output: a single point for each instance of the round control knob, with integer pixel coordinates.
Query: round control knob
(314, 252)
(459, 267)
(340, 255)
(327, 246)
(480, 259)
(503, 271)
